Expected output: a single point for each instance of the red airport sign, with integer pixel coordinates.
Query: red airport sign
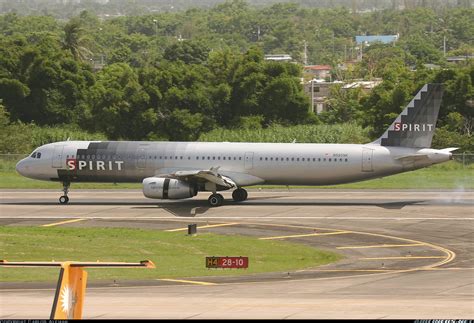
(227, 262)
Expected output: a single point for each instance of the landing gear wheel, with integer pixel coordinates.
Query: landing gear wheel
(215, 200)
(63, 199)
(239, 195)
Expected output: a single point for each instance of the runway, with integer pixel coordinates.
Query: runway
(408, 254)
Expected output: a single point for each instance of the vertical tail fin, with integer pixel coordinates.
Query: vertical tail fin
(69, 299)
(415, 126)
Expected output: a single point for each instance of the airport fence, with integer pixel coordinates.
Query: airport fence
(8, 161)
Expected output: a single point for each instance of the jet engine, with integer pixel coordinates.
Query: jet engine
(167, 188)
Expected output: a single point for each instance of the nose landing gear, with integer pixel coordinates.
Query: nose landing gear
(65, 199)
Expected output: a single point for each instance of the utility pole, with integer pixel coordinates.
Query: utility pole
(444, 45)
(305, 54)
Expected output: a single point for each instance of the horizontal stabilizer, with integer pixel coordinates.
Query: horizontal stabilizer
(448, 150)
(413, 158)
(143, 263)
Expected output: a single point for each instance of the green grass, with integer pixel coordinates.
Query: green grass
(450, 175)
(175, 254)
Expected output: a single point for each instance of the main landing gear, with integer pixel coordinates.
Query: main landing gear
(238, 195)
(215, 200)
(64, 199)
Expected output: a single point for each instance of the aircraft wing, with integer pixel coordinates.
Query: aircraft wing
(210, 175)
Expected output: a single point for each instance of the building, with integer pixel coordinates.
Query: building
(365, 41)
(319, 91)
(385, 39)
(366, 86)
(318, 71)
(459, 59)
(278, 57)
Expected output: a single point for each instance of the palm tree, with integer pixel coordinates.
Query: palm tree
(74, 40)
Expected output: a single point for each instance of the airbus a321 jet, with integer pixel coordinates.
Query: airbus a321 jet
(179, 170)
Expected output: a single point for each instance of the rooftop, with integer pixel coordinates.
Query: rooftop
(386, 39)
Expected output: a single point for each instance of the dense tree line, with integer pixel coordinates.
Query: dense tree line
(176, 75)
(68, 8)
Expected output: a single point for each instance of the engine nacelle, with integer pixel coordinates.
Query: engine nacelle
(167, 188)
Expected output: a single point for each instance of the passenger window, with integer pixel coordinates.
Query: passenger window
(240, 158)
(38, 155)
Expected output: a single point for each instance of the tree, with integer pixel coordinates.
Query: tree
(187, 51)
(74, 40)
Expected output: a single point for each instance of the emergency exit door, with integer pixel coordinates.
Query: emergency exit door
(367, 159)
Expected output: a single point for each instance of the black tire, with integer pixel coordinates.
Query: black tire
(64, 199)
(215, 200)
(239, 195)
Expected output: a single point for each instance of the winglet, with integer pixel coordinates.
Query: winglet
(71, 287)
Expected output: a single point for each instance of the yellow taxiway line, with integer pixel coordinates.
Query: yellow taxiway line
(383, 246)
(306, 235)
(62, 222)
(188, 282)
(203, 227)
(403, 258)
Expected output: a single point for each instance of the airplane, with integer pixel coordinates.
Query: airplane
(179, 170)
(70, 292)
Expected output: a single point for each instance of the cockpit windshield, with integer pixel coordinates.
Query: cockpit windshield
(36, 154)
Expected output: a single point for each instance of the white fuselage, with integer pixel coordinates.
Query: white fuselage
(244, 163)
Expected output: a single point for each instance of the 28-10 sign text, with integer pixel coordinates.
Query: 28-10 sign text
(227, 262)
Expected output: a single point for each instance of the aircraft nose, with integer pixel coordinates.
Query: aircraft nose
(21, 167)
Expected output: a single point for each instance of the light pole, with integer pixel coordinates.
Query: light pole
(155, 22)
